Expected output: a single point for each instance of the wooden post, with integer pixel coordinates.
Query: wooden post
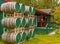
(46, 24)
(41, 19)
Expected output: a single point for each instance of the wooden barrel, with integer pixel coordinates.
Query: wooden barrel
(16, 22)
(15, 37)
(28, 9)
(11, 22)
(23, 36)
(6, 37)
(31, 22)
(3, 6)
(7, 20)
(22, 8)
(32, 10)
(3, 22)
(10, 7)
(23, 22)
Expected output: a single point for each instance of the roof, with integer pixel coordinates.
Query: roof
(44, 11)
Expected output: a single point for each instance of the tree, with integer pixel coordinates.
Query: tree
(39, 3)
(56, 15)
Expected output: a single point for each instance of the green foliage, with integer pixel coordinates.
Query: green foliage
(56, 15)
(39, 3)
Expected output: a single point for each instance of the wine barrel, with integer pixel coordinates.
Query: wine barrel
(28, 9)
(15, 37)
(6, 37)
(11, 37)
(22, 8)
(23, 22)
(32, 10)
(10, 7)
(3, 22)
(11, 22)
(31, 22)
(16, 22)
(23, 36)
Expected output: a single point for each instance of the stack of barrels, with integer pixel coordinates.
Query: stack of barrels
(11, 37)
(20, 27)
(11, 22)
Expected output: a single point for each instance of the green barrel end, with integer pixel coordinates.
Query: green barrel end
(17, 7)
(33, 33)
(23, 36)
(31, 22)
(29, 34)
(23, 22)
(22, 8)
(33, 11)
(18, 38)
(30, 9)
(17, 22)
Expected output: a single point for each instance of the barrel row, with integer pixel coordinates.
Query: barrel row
(11, 22)
(27, 21)
(16, 22)
(11, 37)
(17, 37)
(11, 7)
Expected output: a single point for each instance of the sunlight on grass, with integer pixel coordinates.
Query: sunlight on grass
(1, 42)
(43, 39)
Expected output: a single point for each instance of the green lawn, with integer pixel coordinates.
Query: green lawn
(43, 39)
(1, 42)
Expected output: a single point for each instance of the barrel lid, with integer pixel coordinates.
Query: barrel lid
(23, 22)
(30, 9)
(22, 8)
(23, 36)
(17, 7)
(31, 22)
(33, 10)
(18, 38)
(33, 33)
(29, 34)
(17, 22)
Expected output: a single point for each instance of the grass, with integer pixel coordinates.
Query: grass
(43, 39)
(1, 42)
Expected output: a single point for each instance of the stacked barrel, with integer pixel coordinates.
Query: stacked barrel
(11, 22)
(11, 37)
(20, 22)
(31, 23)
